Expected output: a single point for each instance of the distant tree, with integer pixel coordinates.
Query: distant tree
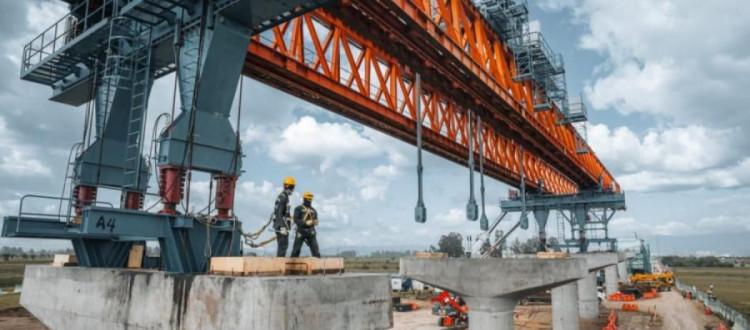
(347, 254)
(526, 247)
(451, 244)
(676, 261)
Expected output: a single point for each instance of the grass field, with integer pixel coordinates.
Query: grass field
(731, 285)
(11, 274)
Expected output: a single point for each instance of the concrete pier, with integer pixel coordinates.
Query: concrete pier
(96, 298)
(610, 279)
(565, 307)
(622, 272)
(588, 300)
(492, 287)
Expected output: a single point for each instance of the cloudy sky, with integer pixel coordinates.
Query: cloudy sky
(665, 81)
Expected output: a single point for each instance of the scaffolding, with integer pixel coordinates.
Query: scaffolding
(509, 18)
(535, 60)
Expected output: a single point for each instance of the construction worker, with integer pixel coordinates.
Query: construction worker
(282, 220)
(306, 218)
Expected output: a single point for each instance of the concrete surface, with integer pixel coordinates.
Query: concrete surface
(88, 298)
(565, 307)
(610, 279)
(622, 272)
(598, 260)
(588, 301)
(492, 287)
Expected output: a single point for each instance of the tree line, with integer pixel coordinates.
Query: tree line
(677, 261)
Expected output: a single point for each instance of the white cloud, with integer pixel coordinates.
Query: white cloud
(452, 217)
(626, 226)
(17, 158)
(308, 141)
(687, 61)
(679, 157)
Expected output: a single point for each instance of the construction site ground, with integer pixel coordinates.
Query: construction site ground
(671, 312)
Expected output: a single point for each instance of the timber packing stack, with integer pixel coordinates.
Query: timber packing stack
(468, 81)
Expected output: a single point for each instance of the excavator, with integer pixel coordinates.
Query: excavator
(452, 309)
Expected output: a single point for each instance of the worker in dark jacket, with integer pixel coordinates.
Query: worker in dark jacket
(282, 222)
(306, 218)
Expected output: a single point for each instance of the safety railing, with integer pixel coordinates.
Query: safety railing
(738, 319)
(59, 216)
(535, 40)
(80, 18)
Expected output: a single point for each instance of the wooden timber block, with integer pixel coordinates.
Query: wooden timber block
(552, 255)
(64, 260)
(135, 258)
(309, 266)
(245, 266)
(431, 255)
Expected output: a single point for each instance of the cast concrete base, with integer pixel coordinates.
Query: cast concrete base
(88, 298)
(565, 307)
(492, 287)
(622, 272)
(610, 279)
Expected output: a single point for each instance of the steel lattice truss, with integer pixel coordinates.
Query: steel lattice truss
(359, 60)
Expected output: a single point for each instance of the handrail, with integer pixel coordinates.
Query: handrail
(727, 312)
(59, 215)
(64, 30)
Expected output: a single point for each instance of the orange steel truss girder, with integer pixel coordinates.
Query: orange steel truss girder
(457, 28)
(318, 58)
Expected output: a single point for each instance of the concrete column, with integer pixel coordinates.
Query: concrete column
(610, 279)
(622, 272)
(565, 307)
(588, 302)
(491, 313)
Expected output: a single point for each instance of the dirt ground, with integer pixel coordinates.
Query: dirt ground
(531, 317)
(675, 311)
(19, 319)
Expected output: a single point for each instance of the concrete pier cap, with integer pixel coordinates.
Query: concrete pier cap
(99, 298)
(492, 287)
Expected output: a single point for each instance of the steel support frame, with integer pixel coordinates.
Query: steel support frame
(350, 75)
(105, 235)
(457, 36)
(588, 211)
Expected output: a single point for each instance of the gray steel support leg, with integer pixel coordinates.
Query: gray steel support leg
(588, 302)
(565, 307)
(491, 313)
(610, 279)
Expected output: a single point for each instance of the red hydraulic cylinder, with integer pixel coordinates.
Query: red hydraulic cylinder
(83, 196)
(171, 185)
(132, 200)
(225, 187)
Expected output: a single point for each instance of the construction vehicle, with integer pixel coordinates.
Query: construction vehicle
(452, 309)
(657, 281)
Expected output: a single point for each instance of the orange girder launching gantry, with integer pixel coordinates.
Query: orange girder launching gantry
(359, 59)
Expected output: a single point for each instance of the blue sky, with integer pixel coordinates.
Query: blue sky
(664, 82)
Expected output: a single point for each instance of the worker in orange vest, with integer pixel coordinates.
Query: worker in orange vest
(306, 218)
(282, 221)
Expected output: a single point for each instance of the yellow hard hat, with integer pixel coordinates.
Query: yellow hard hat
(307, 195)
(289, 181)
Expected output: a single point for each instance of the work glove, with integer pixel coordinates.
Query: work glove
(309, 223)
(283, 231)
